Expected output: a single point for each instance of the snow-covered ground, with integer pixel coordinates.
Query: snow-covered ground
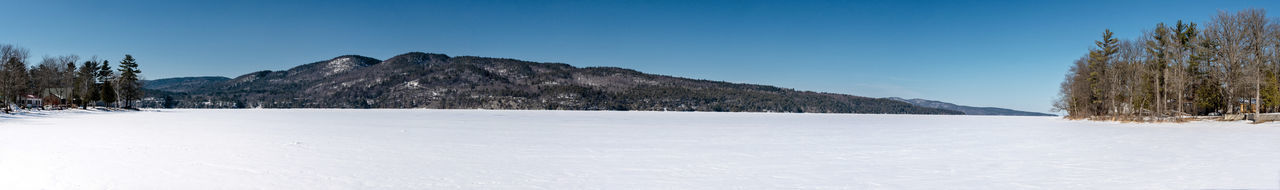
(474, 149)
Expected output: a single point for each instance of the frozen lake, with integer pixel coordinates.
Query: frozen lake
(476, 149)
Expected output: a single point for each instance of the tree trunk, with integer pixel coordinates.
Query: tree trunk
(1158, 101)
(1180, 111)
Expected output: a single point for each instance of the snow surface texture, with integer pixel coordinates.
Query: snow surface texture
(475, 149)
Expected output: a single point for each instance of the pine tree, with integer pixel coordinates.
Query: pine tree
(1101, 58)
(1185, 34)
(1208, 96)
(1270, 92)
(129, 83)
(86, 78)
(1157, 48)
(107, 92)
(14, 80)
(70, 75)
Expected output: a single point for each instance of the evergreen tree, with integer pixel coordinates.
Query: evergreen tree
(1184, 73)
(1207, 91)
(168, 102)
(1158, 49)
(14, 80)
(1101, 58)
(1270, 93)
(70, 75)
(86, 79)
(107, 92)
(129, 84)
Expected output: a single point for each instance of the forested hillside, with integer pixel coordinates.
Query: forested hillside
(182, 84)
(423, 80)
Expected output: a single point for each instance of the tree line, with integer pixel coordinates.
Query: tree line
(1231, 65)
(58, 81)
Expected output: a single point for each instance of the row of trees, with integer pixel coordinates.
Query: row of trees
(1231, 65)
(92, 83)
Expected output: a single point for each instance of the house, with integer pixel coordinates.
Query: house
(31, 101)
(57, 97)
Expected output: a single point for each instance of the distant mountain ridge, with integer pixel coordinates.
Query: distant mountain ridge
(182, 84)
(968, 110)
(426, 80)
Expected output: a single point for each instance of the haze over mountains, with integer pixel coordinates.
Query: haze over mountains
(426, 80)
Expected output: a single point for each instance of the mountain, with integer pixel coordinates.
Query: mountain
(968, 110)
(425, 80)
(182, 84)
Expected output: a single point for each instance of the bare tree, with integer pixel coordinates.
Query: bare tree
(1130, 70)
(1178, 73)
(1224, 30)
(8, 51)
(1252, 25)
(15, 80)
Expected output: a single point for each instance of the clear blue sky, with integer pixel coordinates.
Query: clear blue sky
(981, 53)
